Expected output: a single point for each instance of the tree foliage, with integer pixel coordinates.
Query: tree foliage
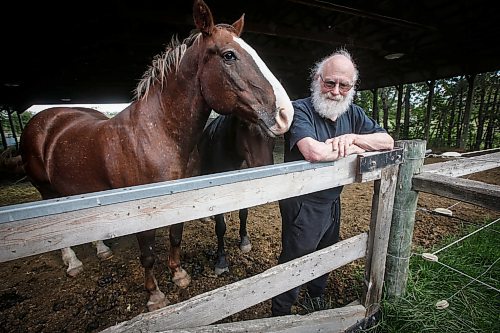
(12, 124)
(447, 126)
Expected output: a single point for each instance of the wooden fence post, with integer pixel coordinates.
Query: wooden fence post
(403, 218)
(378, 237)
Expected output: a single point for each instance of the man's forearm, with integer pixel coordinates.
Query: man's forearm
(315, 151)
(374, 141)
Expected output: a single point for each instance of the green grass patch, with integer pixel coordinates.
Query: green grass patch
(473, 307)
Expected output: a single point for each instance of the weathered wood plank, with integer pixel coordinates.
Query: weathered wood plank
(480, 152)
(368, 176)
(380, 225)
(42, 234)
(332, 321)
(464, 166)
(98, 199)
(471, 191)
(217, 304)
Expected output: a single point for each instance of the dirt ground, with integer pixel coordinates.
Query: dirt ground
(37, 296)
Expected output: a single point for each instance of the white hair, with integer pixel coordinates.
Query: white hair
(327, 105)
(318, 67)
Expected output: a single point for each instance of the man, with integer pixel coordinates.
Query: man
(326, 126)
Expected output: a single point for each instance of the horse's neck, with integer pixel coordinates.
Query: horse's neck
(175, 108)
(178, 112)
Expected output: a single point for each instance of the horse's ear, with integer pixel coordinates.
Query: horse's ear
(203, 17)
(238, 25)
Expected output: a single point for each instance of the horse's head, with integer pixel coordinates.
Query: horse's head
(233, 78)
(253, 144)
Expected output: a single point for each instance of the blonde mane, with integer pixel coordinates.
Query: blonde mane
(163, 64)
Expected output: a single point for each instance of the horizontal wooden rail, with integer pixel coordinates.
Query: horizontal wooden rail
(331, 321)
(471, 191)
(126, 194)
(220, 303)
(440, 179)
(464, 166)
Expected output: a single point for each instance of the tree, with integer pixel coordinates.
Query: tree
(375, 113)
(481, 117)
(464, 137)
(458, 123)
(12, 124)
(428, 115)
(387, 97)
(398, 111)
(492, 120)
(406, 124)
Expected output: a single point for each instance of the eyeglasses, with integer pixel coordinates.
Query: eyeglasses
(330, 85)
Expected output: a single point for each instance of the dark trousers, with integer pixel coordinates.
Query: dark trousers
(307, 226)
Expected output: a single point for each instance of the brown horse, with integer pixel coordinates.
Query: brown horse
(230, 143)
(69, 151)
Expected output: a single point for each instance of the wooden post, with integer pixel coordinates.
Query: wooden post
(380, 224)
(403, 217)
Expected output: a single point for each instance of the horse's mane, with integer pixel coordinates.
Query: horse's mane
(164, 63)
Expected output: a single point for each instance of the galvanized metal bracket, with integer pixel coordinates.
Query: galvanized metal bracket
(370, 163)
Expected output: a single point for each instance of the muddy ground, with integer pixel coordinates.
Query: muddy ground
(37, 296)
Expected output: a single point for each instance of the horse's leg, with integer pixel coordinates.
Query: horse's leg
(245, 244)
(75, 266)
(103, 252)
(146, 240)
(221, 264)
(179, 276)
(69, 258)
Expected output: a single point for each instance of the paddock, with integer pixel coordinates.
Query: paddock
(341, 172)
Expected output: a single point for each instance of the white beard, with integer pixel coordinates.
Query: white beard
(332, 107)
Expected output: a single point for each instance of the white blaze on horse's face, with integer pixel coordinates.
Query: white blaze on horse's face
(284, 106)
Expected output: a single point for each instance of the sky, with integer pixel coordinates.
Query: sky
(105, 108)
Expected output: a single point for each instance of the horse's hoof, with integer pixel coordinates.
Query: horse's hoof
(221, 270)
(246, 248)
(181, 279)
(221, 265)
(74, 271)
(105, 255)
(245, 245)
(157, 300)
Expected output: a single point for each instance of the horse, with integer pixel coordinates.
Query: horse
(231, 143)
(69, 151)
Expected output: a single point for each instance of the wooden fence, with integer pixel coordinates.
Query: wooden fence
(34, 228)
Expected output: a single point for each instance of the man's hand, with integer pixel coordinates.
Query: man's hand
(330, 150)
(345, 145)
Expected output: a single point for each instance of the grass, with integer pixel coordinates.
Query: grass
(473, 307)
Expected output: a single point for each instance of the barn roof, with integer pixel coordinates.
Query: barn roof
(93, 52)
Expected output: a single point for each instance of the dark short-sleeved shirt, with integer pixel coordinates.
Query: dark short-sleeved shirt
(308, 123)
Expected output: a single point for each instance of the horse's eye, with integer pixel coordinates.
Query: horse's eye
(229, 56)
